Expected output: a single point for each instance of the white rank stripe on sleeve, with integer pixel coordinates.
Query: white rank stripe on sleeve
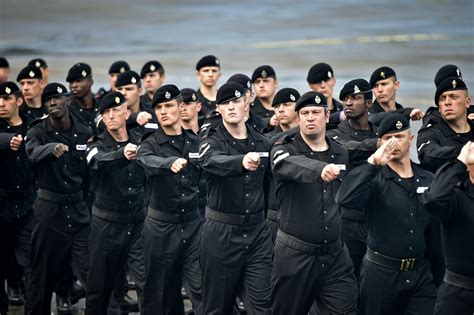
(420, 190)
(91, 155)
(204, 148)
(342, 167)
(262, 154)
(151, 125)
(279, 156)
(421, 145)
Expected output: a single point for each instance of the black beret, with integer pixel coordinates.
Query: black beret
(111, 100)
(447, 71)
(38, 63)
(208, 61)
(128, 77)
(4, 63)
(320, 72)
(52, 90)
(381, 73)
(8, 88)
(79, 71)
(242, 79)
(449, 84)
(229, 91)
(393, 122)
(29, 72)
(165, 93)
(264, 71)
(356, 86)
(119, 67)
(151, 66)
(311, 99)
(286, 95)
(189, 95)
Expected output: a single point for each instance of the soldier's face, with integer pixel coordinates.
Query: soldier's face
(324, 87)
(4, 73)
(31, 88)
(453, 105)
(112, 79)
(208, 76)
(9, 105)
(115, 118)
(265, 87)
(385, 90)
(404, 139)
(355, 106)
(57, 107)
(189, 111)
(131, 92)
(312, 120)
(234, 111)
(168, 113)
(152, 81)
(81, 87)
(285, 113)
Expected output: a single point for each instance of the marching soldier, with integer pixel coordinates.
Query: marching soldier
(235, 247)
(395, 275)
(311, 263)
(31, 84)
(118, 210)
(43, 66)
(265, 84)
(452, 203)
(153, 76)
(208, 72)
(190, 109)
(170, 159)
(56, 146)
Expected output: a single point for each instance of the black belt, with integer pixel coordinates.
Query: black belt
(310, 248)
(60, 198)
(124, 218)
(172, 217)
(235, 219)
(392, 263)
(459, 280)
(272, 215)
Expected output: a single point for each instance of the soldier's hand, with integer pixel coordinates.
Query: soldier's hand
(251, 161)
(15, 142)
(273, 121)
(130, 151)
(467, 154)
(143, 118)
(179, 165)
(60, 149)
(416, 114)
(383, 154)
(330, 172)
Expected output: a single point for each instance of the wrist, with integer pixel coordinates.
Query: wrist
(371, 160)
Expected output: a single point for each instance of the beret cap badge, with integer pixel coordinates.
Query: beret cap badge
(152, 68)
(264, 74)
(237, 93)
(454, 83)
(193, 97)
(399, 125)
(122, 70)
(84, 73)
(317, 99)
(117, 100)
(37, 64)
(31, 74)
(382, 74)
(133, 80)
(356, 89)
(329, 74)
(60, 91)
(292, 97)
(8, 90)
(167, 95)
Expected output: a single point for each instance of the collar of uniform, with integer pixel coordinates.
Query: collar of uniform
(75, 105)
(302, 147)
(447, 131)
(388, 173)
(337, 106)
(224, 135)
(346, 128)
(76, 127)
(161, 137)
(377, 108)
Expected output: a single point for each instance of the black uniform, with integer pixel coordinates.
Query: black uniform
(138, 130)
(377, 113)
(172, 226)
(260, 112)
(437, 143)
(453, 204)
(360, 145)
(16, 200)
(86, 116)
(395, 276)
(235, 247)
(145, 100)
(61, 217)
(118, 213)
(207, 107)
(32, 113)
(310, 261)
(334, 116)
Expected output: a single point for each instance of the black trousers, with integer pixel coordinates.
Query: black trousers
(171, 259)
(111, 244)
(15, 238)
(393, 292)
(57, 243)
(235, 260)
(354, 235)
(454, 300)
(300, 278)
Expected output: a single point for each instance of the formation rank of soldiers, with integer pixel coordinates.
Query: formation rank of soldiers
(291, 204)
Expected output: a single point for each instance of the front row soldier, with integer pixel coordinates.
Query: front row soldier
(311, 263)
(452, 203)
(56, 146)
(16, 197)
(118, 210)
(170, 158)
(236, 247)
(395, 276)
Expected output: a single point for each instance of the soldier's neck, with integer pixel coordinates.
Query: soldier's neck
(134, 108)
(209, 92)
(191, 124)
(330, 102)
(63, 123)
(86, 102)
(402, 167)
(173, 130)
(15, 120)
(289, 126)
(460, 125)
(120, 134)
(389, 106)
(361, 123)
(267, 103)
(34, 102)
(237, 131)
(316, 142)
